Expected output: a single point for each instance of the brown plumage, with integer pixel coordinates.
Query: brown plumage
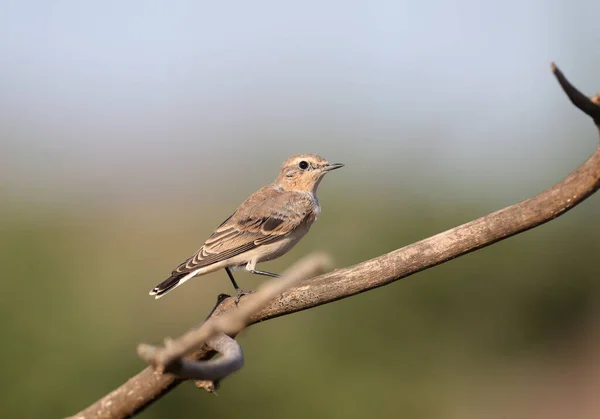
(265, 226)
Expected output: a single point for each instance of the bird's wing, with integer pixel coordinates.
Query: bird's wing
(265, 217)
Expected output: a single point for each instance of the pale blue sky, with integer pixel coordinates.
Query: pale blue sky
(146, 95)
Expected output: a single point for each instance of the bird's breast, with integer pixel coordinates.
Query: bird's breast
(280, 247)
(314, 214)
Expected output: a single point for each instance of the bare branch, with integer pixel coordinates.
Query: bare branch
(588, 106)
(170, 358)
(231, 360)
(147, 386)
(213, 370)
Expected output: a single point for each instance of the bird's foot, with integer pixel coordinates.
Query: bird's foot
(240, 294)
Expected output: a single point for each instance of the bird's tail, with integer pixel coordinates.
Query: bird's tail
(166, 286)
(169, 284)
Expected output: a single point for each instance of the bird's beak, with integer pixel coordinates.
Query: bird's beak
(332, 166)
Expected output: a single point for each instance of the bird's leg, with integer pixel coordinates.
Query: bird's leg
(251, 267)
(269, 274)
(240, 292)
(232, 279)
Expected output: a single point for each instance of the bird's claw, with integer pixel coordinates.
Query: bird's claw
(240, 294)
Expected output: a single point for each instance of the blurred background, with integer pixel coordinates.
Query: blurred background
(129, 130)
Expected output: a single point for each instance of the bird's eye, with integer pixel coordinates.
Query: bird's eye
(303, 165)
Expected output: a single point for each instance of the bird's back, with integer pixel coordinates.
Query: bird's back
(268, 215)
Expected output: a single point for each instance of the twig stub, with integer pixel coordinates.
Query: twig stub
(590, 107)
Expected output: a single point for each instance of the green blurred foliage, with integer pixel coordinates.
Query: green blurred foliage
(74, 306)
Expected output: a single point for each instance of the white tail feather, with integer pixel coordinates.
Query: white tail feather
(180, 282)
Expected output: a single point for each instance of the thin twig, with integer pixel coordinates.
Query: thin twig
(581, 101)
(231, 360)
(170, 358)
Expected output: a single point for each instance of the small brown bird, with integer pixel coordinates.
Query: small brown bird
(267, 225)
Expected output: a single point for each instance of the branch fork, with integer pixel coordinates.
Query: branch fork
(219, 329)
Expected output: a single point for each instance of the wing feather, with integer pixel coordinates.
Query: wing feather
(265, 217)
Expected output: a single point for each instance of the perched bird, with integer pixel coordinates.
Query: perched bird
(265, 226)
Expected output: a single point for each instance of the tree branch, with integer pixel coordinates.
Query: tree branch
(147, 386)
(582, 102)
(216, 329)
(213, 370)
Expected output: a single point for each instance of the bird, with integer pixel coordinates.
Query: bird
(264, 227)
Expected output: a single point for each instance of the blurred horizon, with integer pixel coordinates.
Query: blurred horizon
(118, 99)
(128, 131)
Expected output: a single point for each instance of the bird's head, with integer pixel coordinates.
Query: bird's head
(303, 172)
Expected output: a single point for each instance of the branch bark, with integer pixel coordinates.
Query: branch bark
(220, 329)
(147, 386)
(212, 371)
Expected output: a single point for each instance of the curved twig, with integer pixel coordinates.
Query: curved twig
(170, 358)
(141, 390)
(231, 360)
(209, 372)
